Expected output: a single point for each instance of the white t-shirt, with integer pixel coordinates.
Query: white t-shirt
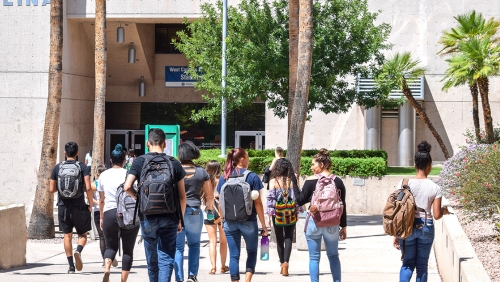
(88, 158)
(424, 191)
(109, 181)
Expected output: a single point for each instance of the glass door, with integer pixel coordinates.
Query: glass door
(250, 139)
(137, 142)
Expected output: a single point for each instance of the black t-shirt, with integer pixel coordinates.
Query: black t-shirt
(85, 171)
(303, 197)
(179, 174)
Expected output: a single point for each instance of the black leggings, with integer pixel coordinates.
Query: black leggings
(112, 234)
(97, 221)
(284, 237)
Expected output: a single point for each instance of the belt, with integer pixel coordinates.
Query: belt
(419, 224)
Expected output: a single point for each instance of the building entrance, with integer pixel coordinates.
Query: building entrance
(250, 140)
(130, 139)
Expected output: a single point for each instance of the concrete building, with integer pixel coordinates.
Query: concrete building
(417, 26)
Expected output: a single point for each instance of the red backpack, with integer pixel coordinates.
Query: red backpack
(326, 197)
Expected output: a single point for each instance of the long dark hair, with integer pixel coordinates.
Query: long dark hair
(233, 157)
(282, 169)
(213, 169)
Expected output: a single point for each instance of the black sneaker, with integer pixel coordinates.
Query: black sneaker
(192, 278)
(71, 270)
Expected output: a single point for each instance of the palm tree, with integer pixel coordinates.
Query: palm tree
(100, 84)
(42, 216)
(299, 111)
(293, 45)
(470, 25)
(394, 75)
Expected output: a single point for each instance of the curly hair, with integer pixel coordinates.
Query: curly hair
(423, 156)
(282, 168)
(323, 157)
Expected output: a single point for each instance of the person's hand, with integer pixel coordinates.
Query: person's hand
(179, 227)
(395, 243)
(445, 210)
(90, 208)
(264, 232)
(343, 234)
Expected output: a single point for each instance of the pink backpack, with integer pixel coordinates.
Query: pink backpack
(327, 198)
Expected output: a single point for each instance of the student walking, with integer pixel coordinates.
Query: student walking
(321, 165)
(213, 169)
(71, 179)
(107, 187)
(159, 226)
(195, 181)
(427, 194)
(236, 165)
(282, 209)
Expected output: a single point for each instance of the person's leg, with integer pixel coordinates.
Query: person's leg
(222, 248)
(289, 232)
(167, 233)
(102, 244)
(250, 232)
(313, 238)
(194, 226)
(233, 236)
(82, 220)
(66, 227)
(212, 245)
(424, 246)
(179, 254)
(280, 240)
(331, 238)
(111, 231)
(410, 256)
(149, 230)
(129, 236)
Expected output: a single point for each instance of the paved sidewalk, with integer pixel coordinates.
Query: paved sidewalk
(367, 255)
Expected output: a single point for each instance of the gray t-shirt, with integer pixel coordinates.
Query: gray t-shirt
(424, 191)
(193, 183)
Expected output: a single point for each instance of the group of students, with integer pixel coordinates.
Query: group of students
(165, 235)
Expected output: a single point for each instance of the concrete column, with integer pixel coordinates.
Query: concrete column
(373, 126)
(406, 140)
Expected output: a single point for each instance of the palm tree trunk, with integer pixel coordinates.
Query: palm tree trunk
(42, 216)
(293, 34)
(425, 118)
(482, 84)
(100, 85)
(299, 112)
(475, 109)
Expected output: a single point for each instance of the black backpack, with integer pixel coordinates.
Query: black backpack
(70, 180)
(157, 190)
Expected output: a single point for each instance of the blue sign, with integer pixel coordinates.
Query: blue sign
(28, 2)
(176, 76)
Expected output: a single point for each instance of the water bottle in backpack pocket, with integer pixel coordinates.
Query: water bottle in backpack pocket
(70, 180)
(235, 198)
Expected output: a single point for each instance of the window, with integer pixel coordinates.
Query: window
(164, 33)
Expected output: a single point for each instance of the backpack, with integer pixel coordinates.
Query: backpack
(157, 189)
(235, 198)
(126, 209)
(70, 180)
(284, 209)
(399, 212)
(266, 175)
(326, 197)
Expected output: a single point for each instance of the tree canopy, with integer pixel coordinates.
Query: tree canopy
(346, 42)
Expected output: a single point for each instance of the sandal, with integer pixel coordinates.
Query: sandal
(224, 269)
(212, 271)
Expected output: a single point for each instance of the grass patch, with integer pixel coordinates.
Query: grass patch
(409, 170)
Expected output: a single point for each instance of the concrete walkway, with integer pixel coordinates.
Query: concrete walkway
(367, 255)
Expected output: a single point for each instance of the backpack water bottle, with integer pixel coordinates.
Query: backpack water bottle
(210, 216)
(264, 248)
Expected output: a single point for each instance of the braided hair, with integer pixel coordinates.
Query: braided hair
(422, 156)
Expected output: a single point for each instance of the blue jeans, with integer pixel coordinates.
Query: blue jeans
(417, 250)
(159, 235)
(331, 238)
(250, 233)
(193, 225)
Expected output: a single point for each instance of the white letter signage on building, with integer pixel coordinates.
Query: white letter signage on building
(26, 2)
(176, 76)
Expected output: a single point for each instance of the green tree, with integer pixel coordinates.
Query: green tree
(470, 25)
(394, 75)
(346, 42)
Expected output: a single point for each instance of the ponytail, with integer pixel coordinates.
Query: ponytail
(233, 158)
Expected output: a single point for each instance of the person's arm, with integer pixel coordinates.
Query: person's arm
(128, 186)
(437, 210)
(101, 207)
(52, 186)
(88, 190)
(259, 207)
(209, 195)
(181, 190)
(273, 164)
(303, 196)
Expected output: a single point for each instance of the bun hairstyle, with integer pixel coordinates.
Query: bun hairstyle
(323, 157)
(422, 156)
(118, 155)
(233, 158)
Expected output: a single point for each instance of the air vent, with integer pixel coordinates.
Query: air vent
(416, 86)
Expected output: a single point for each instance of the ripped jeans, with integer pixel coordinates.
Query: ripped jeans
(331, 236)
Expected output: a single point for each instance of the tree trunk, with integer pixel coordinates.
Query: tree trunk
(482, 83)
(100, 85)
(475, 109)
(299, 112)
(293, 55)
(41, 224)
(424, 117)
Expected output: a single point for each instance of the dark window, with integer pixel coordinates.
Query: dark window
(164, 33)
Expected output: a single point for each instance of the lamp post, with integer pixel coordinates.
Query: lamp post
(224, 107)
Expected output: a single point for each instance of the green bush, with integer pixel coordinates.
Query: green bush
(349, 166)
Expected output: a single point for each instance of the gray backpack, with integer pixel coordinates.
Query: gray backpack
(126, 209)
(70, 181)
(235, 198)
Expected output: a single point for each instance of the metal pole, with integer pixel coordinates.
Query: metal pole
(224, 107)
